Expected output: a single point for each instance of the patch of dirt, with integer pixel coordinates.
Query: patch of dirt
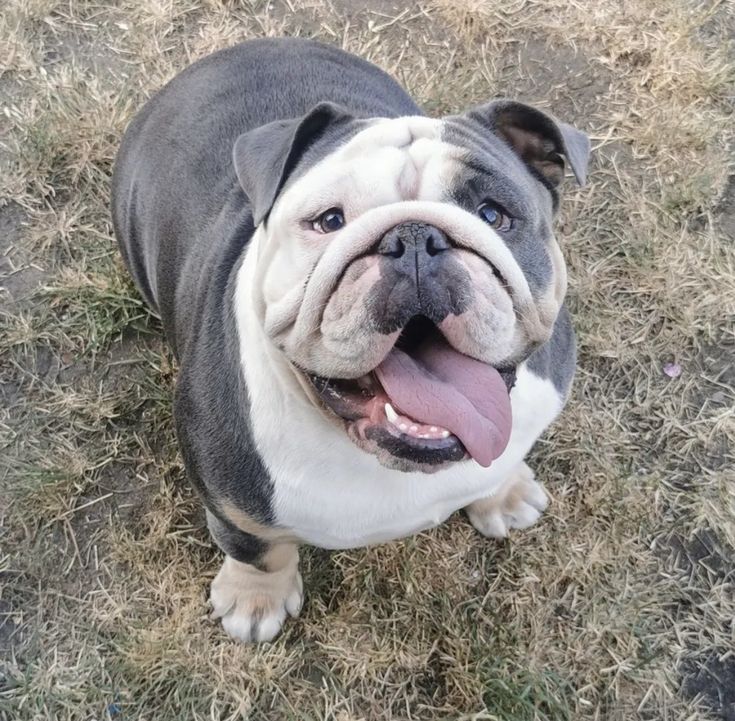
(712, 678)
(539, 69)
(725, 212)
(8, 628)
(19, 276)
(703, 557)
(390, 8)
(702, 562)
(84, 46)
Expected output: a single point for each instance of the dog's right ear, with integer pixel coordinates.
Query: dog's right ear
(266, 156)
(541, 141)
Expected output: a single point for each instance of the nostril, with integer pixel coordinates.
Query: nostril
(392, 245)
(436, 242)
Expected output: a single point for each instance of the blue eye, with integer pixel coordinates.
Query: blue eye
(329, 221)
(495, 216)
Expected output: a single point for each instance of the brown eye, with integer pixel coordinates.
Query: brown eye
(329, 221)
(495, 216)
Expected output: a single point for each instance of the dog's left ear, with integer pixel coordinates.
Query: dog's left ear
(266, 156)
(541, 141)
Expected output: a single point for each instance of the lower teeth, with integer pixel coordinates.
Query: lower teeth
(399, 423)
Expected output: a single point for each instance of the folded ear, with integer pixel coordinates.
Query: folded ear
(541, 141)
(266, 156)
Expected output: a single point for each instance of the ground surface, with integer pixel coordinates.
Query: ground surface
(618, 605)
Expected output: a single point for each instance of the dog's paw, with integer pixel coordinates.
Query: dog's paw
(518, 503)
(253, 604)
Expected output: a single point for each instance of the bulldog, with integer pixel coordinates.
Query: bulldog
(366, 305)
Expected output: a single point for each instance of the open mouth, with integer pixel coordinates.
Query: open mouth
(426, 402)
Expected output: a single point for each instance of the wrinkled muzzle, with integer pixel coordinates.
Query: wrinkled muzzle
(392, 263)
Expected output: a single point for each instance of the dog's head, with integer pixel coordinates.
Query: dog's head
(406, 266)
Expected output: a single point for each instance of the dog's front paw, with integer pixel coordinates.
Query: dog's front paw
(253, 604)
(518, 503)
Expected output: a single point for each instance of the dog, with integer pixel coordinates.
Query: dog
(366, 305)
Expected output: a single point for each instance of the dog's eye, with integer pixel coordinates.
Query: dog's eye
(329, 221)
(495, 216)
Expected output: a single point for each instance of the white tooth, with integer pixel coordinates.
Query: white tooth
(445, 434)
(433, 429)
(391, 414)
(413, 429)
(403, 426)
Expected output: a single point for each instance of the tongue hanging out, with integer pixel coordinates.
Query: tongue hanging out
(438, 385)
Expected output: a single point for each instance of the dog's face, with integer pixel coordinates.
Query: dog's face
(406, 266)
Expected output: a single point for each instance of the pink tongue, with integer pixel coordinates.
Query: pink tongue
(443, 387)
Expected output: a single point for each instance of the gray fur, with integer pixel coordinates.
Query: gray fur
(243, 547)
(266, 156)
(557, 359)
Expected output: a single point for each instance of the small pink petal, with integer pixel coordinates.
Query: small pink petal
(672, 370)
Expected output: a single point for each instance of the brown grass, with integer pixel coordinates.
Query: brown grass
(618, 605)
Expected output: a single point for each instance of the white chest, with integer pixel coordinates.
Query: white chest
(333, 495)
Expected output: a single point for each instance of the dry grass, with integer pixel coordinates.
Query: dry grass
(619, 605)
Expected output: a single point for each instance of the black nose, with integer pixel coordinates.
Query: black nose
(415, 239)
(417, 277)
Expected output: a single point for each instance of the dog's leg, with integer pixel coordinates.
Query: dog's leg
(258, 585)
(518, 503)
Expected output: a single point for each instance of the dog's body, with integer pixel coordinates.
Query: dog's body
(289, 240)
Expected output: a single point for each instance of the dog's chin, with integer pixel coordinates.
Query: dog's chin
(400, 452)
(375, 422)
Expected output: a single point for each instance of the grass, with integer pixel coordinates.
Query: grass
(617, 606)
